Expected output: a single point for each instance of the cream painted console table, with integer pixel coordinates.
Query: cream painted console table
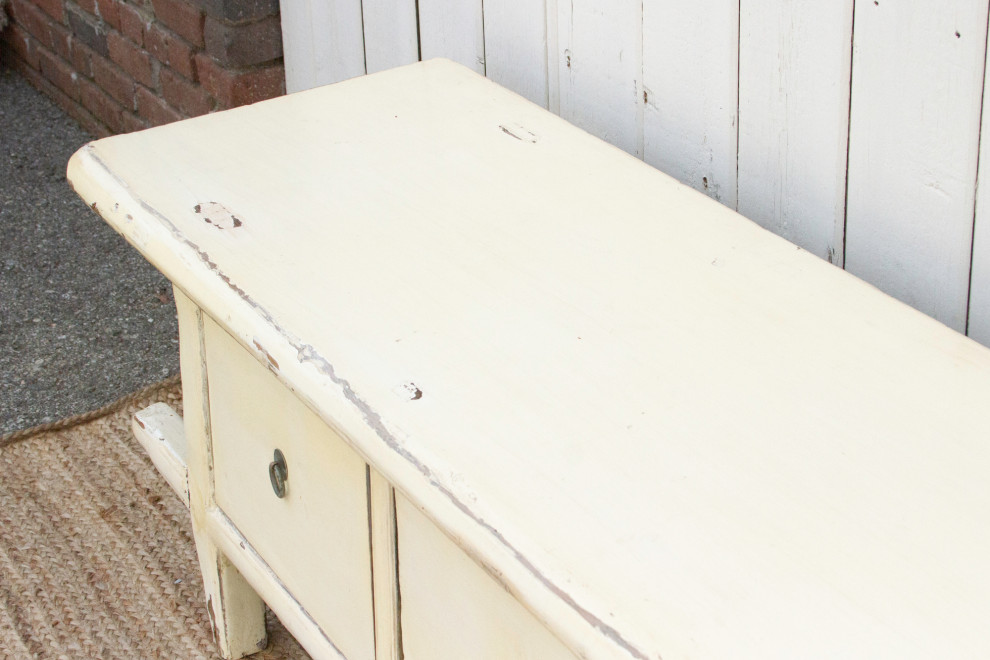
(463, 381)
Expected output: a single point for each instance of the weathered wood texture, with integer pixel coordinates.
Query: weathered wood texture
(913, 147)
(690, 121)
(794, 64)
(867, 159)
(326, 42)
(666, 431)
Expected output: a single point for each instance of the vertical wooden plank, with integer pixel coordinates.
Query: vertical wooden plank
(453, 29)
(323, 42)
(297, 46)
(553, 56)
(391, 34)
(601, 69)
(916, 87)
(690, 78)
(794, 68)
(978, 325)
(516, 46)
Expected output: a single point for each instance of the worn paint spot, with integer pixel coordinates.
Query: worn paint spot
(268, 356)
(409, 391)
(518, 132)
(218, 215)
(213, 619)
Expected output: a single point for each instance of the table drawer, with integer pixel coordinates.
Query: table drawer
(452, 609)
(315, 537)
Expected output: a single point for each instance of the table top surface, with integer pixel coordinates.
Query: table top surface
(665, 430)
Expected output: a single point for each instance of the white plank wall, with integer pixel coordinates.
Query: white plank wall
(600, 69)
(690, 128)
(794, 68)
(913, 147)
(851, 128)
(453, 29)
(327, 43)
(516, 47)
(391, 34)
(979, 296)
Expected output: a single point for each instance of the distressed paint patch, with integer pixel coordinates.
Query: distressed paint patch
(408, 391)
(272, 362)
(218, 215)
(518, 132)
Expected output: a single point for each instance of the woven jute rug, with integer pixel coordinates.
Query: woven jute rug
(96, 551)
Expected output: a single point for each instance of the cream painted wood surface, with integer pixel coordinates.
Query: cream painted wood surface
(452, 609)
(794, 69)
(237, 613)
(296, 619)
(913, 148)
(691, 93)
(669, 431)
(159, 429)
(316, 538)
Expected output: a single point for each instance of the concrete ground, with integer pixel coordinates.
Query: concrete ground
(84, 319)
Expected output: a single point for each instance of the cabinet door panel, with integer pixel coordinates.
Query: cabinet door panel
(452, 609)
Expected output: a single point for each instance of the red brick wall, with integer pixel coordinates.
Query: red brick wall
(122, 65)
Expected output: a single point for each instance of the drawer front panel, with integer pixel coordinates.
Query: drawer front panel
(316, 537)
(452, 609)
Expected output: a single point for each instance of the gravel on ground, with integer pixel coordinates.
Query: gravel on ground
(84, 319)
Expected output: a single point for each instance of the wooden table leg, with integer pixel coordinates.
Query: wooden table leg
(237, 613)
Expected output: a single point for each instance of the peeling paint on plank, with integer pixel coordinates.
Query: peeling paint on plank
(272, 362)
